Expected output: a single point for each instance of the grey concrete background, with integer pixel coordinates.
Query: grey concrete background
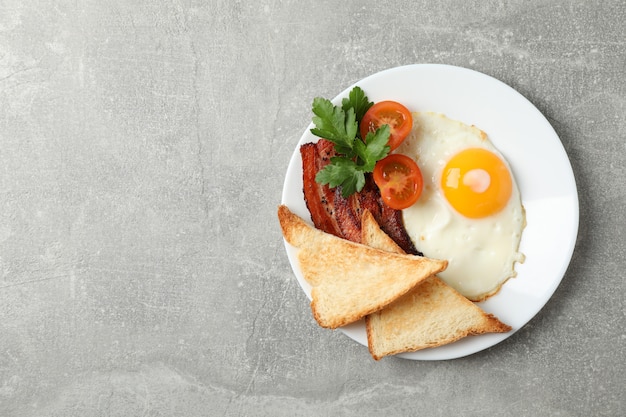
(143, 146)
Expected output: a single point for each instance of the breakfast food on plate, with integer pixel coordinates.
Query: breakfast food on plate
(337, 183)
(341, 216)
(431, 314)
(350, 280)
(384, 187)
(470, 210)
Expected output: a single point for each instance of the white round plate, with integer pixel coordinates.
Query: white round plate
(540, 166)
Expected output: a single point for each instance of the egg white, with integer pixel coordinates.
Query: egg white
(481, 253)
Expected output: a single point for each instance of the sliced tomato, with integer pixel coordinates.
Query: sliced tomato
(399, 179)
(389, 113)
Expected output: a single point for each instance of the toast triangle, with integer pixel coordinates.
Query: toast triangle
(350, 280)
(431, 314)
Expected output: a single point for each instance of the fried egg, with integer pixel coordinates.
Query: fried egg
(470, 211)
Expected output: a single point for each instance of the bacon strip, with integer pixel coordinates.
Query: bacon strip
(319, 198)
(391, 222)
(347, 212)
(340, 216)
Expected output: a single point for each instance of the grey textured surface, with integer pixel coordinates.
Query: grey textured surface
(143, 147)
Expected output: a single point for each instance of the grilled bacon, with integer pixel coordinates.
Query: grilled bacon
(340, 216)
(320, 199)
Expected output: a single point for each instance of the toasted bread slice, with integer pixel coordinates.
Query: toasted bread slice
(431, 314)
(350, 280)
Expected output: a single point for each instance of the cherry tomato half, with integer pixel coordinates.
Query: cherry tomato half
(399, 179)
(389, 113)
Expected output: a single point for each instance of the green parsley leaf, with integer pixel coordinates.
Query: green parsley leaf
(332, 123)
(342, 172)
(358, 101)
(354, 156)
(374, 148)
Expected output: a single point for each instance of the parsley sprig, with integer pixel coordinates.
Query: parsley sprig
(355, 156)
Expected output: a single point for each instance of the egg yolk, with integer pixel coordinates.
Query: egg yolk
(476, 183)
